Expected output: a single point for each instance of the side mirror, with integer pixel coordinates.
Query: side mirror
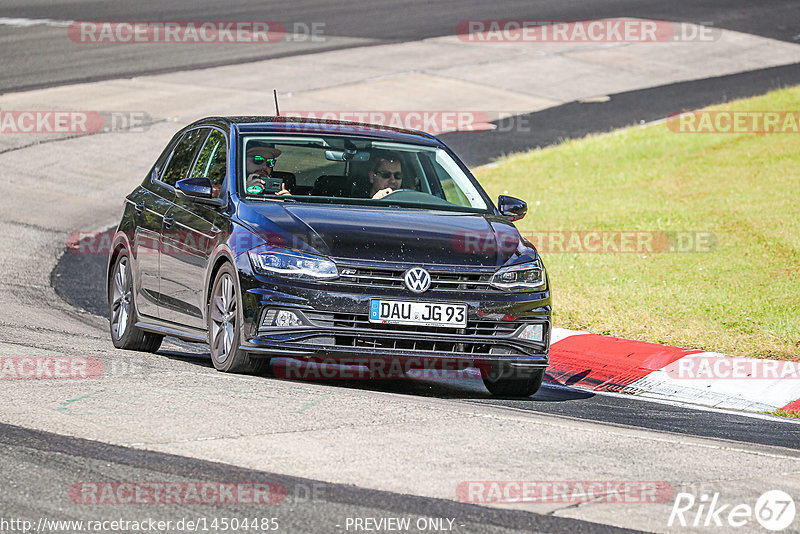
(512, 208)
(199, 190)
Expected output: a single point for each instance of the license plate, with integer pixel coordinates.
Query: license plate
(418, 313)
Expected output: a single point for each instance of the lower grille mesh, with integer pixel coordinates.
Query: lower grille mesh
(425, 342)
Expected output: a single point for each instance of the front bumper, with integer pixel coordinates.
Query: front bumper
(336, 326)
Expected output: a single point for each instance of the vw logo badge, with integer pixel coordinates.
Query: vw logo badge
(417, 280)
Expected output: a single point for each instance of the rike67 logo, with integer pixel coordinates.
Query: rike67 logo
(774, 510)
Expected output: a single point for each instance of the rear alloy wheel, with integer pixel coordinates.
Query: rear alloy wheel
(224, 321)
(503, 380)
(122, 311)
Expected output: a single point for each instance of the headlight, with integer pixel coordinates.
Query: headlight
(299, 265)
(523, 277)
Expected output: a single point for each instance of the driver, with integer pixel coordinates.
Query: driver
(385, 176)
(261, 158)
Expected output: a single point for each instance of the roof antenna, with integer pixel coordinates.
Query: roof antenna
(275, 94)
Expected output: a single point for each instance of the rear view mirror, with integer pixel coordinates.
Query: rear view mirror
(512, 208)
(341, 155)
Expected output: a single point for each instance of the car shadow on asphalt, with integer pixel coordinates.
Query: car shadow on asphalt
(470, 388)
(464, 384)
(200, 359)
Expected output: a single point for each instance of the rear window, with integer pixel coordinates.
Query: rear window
(183, 156)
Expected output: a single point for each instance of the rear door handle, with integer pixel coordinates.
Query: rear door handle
(140, 207)
(168, 222)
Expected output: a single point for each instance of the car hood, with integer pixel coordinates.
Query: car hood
(376, 234)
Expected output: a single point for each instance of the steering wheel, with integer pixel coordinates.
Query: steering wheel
(412, 195)
(403, 190)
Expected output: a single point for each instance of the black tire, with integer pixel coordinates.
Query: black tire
(122, 310)
(507, 381)
(224, 319)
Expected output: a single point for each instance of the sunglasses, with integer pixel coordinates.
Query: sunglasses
(388, 174)
(261, 160)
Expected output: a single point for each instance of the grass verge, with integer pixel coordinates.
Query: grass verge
(737, 293)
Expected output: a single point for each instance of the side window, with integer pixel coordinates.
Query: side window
(182, 156)
(212, 161)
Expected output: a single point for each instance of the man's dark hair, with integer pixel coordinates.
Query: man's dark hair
(381, 157)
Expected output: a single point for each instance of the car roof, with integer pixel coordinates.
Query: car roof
(306, 126)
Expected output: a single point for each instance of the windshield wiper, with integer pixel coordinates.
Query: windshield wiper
(284, 198)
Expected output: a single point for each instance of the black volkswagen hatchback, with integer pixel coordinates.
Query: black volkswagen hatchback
(274, 237)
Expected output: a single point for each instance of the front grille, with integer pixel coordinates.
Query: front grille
(415, 345)
(427, 339)
(440, 280)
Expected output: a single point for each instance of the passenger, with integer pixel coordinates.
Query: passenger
(261, 158)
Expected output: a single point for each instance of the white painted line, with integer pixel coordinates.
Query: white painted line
(26, 23)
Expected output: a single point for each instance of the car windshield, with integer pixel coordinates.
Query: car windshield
(353, 170)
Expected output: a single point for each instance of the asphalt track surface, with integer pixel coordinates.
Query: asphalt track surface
(41, 56)
(64, 460)
(32, 63)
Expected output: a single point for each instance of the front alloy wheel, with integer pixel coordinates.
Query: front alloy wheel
(224, 321)
(120, 298)
(223, 318)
